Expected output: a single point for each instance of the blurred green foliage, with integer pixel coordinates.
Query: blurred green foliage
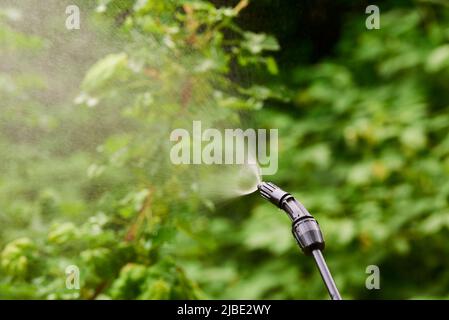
(363, 144)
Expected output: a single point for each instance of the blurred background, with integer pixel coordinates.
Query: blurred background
(85, 176)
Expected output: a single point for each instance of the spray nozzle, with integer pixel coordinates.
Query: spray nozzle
(305, 228)
(272, 192)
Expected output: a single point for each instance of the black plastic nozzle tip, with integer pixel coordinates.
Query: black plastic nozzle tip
(265, 189)
(272, 192)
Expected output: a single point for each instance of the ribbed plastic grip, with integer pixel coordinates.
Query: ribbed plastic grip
(272, 192)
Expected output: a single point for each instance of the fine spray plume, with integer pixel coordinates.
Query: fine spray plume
(305, 230)
(224, 182)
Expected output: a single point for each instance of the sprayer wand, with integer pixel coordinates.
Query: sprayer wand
(305, 229)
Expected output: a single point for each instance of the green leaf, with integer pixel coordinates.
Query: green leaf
(112, 67)
(259, 42)
(438, 59)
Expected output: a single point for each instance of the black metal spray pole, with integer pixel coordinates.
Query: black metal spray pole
(326, 275)
(305, 229)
